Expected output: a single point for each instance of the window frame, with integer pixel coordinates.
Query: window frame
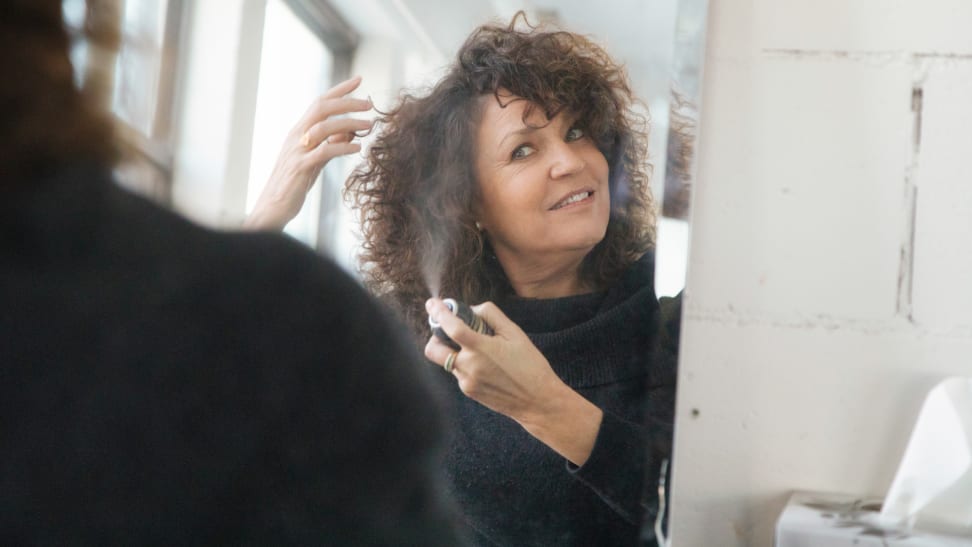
(104, 37)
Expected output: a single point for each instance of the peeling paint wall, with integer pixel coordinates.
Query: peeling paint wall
(830, 275)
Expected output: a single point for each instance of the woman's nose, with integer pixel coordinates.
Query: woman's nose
(565, 161)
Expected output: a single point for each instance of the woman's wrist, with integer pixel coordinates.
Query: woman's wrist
(566, 422)
(261, 219)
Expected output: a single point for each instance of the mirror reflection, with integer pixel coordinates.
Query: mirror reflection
(510, 167)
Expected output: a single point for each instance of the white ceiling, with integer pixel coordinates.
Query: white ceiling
(638, 33)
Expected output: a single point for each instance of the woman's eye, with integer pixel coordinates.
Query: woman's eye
(522, 151)
(575, 133)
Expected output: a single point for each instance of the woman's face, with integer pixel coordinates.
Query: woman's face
(544, 186)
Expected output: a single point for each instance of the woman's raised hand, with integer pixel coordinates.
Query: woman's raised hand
(318, 137)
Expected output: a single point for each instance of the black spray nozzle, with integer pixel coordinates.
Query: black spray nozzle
(464, 312)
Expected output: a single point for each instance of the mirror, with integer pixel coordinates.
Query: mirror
(237, 101)
(661, 45)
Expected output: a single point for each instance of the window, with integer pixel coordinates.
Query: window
(139, 65)
(295, 67)
(124, 55)
(306, 50)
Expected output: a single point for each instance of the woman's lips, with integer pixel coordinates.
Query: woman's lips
(573, 199)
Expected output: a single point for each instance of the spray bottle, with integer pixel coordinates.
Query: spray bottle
(464, 312)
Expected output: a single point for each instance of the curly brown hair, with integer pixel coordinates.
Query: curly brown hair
(417, 189)
(682, 116)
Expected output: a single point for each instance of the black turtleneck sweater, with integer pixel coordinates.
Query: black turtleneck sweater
(516, 491)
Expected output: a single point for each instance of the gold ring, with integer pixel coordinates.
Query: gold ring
(305, 140)
(450, 362)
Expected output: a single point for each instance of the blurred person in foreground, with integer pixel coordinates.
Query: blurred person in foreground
(519, 183)
(165, 384)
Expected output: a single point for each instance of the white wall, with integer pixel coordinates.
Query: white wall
(830, 274)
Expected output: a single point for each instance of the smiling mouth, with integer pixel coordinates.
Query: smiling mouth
(572, 199)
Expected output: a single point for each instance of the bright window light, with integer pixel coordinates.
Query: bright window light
(295, 68)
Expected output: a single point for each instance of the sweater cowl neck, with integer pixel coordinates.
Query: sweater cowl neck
(620, 322)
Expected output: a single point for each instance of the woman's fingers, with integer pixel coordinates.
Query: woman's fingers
(340, 90)
(461, 333)
(334, 131)
(451, 324)
(328, 151)
(495, 318)
(343, 88)
(340, 137)
(436, 351)
(323, 108)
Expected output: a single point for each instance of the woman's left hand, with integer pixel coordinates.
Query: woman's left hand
(508, 374)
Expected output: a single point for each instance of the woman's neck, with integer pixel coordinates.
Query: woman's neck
(546, 278)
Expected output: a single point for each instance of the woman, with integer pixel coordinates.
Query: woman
(521, 181)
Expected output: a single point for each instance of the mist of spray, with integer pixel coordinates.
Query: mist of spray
(433, 253)
(432, 267)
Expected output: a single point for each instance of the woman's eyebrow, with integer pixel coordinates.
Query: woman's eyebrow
(518, 132)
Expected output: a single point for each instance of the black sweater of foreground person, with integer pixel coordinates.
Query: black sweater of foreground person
(164, 384)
